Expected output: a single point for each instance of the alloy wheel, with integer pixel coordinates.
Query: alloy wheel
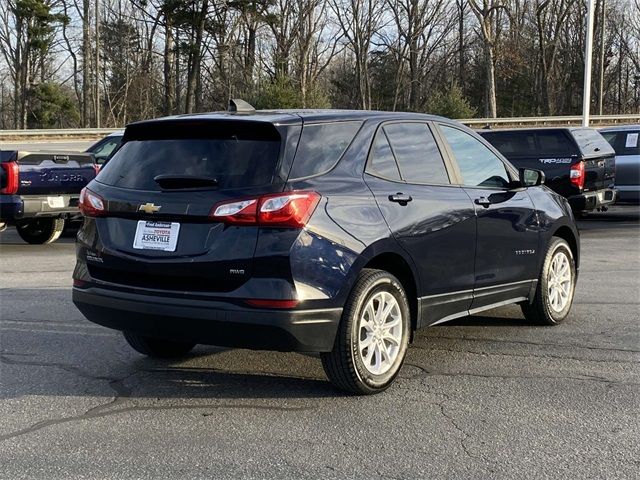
(380, 333)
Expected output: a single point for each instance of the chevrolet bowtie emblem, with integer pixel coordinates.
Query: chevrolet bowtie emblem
(148, 208)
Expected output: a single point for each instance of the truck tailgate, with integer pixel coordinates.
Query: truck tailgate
(600, 172)
(52, 172)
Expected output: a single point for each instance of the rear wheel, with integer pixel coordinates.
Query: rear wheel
(556, 286)
(156, 347)
(41, 230)
(373, 335)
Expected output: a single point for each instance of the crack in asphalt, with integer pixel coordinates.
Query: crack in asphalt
(442, 408)
(558, 357)
(101, 413)
(584, 378)
(521, 342)
(122, 393)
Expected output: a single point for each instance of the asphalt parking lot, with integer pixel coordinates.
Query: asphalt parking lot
(485, 397)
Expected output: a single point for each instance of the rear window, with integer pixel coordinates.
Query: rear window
(321, 146)
(234, 162)
(625, 142)
(590, 141)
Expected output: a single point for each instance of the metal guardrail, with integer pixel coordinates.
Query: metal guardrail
(61, 133)
(596, 121)
(573, 120)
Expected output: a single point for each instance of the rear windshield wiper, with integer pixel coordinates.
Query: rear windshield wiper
(180, 181)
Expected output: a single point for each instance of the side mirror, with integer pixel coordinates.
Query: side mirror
(530, 177)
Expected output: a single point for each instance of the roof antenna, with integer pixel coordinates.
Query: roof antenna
(237, 105)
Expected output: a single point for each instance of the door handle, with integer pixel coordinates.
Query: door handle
(400, 198)
(484, 201)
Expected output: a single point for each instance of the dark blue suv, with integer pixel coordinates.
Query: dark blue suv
(339, 232)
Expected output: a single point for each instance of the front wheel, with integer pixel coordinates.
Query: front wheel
(41, 230)
(556, 286)
(373, 335)
(156, 347)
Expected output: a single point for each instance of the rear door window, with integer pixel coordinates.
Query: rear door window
(512, 144)
(233, 162)
(105, 148)
(532, 143)
(321, 146)
(382, 163)
(625, 143)
(417, 153)
(479, 166)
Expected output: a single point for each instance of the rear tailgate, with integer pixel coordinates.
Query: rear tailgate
(191, 251)
(46, 173)
(599, 159)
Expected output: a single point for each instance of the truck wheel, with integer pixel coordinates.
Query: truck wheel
(373, 335)
(41, 230)
(556, 286)
(156, 347)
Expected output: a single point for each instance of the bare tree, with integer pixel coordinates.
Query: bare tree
(488, 15)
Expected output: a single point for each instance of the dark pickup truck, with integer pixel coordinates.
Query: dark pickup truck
(578, 163)
(39, 190)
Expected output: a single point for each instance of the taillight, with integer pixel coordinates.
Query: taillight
(576, 175)
(91, 204)
(291, 209)
(12, 173)
(96, 167)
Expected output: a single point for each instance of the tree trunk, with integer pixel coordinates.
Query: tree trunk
(194, 70)
(491, 109)
(17, 65)
(169, 68)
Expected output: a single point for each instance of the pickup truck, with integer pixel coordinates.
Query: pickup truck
(40, 190)
(578, 162)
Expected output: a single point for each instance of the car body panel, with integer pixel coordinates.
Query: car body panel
(625, 140)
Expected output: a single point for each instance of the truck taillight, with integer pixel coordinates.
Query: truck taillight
(290, 209)
(576, 175)
(12, 177)
(91, 204)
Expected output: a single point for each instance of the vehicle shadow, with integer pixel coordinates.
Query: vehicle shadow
(618, 216)
(90, 361)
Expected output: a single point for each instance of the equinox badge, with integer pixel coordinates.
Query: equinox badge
(148, 208)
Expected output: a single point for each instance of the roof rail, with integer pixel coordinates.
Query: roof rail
(237, 105)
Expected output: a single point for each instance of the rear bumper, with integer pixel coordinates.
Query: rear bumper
(18, 207)
(210, 322)
(591, 200)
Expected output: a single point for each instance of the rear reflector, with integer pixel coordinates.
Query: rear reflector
(91, 204)
(576, 175)
(258, 302)
(290, 209)
(79, 283)
(12, 174)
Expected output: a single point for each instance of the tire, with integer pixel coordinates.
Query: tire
(548, 308)
(41, 230)
(352, 365)
(156, 347)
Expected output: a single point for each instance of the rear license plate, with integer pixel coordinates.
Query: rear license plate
(56, 202)
(156, 236)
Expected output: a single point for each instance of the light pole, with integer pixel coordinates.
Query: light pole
(586, 99)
